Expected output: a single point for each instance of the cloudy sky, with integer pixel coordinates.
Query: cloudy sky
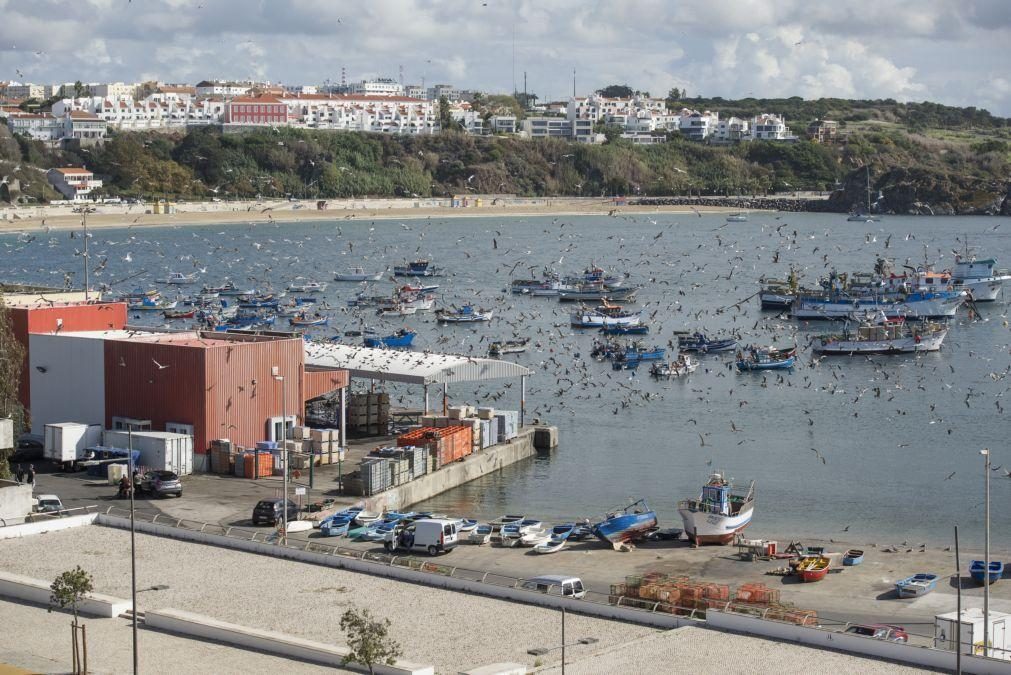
(950, 51)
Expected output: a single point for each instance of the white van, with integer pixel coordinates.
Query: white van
(556, 584)
(432, 535)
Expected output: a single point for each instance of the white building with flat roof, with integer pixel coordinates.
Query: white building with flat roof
(769, 127)
(382, 86)
(73, 183)
(113, 90)
(222, 88)
(697, 126)
(732, 130)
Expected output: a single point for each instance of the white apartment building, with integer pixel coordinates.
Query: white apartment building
(220, 88)
(471, 120)
(74, 184)
(769, 127)
(732, 130)
(382, 86)
(37, 127)
(415, 91)
(561, 127)
(697, 126)
(153, 112)
(22, 91)
(502, 124)
(599, 108)
(113, 90)
(362, 112)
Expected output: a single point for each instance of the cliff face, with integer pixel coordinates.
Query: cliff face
(916, 191)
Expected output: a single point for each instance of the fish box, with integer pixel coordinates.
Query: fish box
(441, 422)
(486, 413)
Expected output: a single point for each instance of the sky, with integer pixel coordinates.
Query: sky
(949, 51)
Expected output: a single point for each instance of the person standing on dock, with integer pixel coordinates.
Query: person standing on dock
(19, 474)
(31, 475)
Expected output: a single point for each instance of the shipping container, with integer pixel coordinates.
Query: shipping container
(67, 441)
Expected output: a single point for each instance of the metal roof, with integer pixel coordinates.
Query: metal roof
(411, 367)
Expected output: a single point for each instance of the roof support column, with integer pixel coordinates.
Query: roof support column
(426, 399)
(523, 399)
(445, 399)
(344, 417)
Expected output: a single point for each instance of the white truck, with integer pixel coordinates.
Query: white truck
(159, 450)
(67, 443)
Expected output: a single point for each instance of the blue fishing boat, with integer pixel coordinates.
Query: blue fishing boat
(853, 557)
(308, 321)
(336, 525)
(698, 342)
(759, 360)
(402, 338)
(641, 329)
(976, 568)
(417, 268)
(916, 585)
(626, 524)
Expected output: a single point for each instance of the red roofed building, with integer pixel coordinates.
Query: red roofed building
(256, 110)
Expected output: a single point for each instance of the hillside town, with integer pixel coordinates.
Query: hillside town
(85, 113)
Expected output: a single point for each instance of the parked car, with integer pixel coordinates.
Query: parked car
(49, 504)
(880, 631)
(27, 450)
(161, 484)
(434, 536)
(271, 511)
(556, 584)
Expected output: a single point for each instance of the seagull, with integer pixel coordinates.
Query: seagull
(160, 366)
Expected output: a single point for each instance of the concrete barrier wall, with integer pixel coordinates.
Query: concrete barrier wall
(15, 500)
(45, 525)
(186, 623)
(474, 466)
(855, 644)
(627, 614)
(36, 591)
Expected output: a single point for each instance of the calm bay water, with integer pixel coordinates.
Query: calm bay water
(891, 430)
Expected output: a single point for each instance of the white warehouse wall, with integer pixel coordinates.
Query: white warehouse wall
(72, 388)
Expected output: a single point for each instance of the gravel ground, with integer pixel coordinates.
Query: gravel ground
(39, 642)
(452, 631)
(699, 650)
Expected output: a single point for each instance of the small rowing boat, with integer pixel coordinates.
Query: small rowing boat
(813, 569)
(916, 585)
(498, 348)
(976, 568)
(853, 557)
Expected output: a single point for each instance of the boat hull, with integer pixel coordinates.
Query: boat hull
(931, 306)
(704, 528)
(625, 527)
(985, 290)
(905, 345)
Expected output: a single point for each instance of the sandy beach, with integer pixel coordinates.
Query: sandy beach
(213, 213)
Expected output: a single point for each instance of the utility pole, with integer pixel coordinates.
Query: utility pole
(958, 610)
(986, 553)
(573, 83)
(284, 453)
(133, 542)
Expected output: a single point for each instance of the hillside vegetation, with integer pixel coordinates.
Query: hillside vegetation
(915, 167)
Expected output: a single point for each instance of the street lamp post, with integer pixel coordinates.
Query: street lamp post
(986, 552)
(133, 541)
(284, 454)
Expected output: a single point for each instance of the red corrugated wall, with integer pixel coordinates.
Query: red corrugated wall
(96, 316)
(319, 382)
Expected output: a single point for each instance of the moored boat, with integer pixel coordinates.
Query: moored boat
(682, 365)
(500, 347)
(417, 268)
(308, 321)
(307, 287)
(178, 278)
(887, 337)
(180, 314)
(357, 274)
(813, 568)
(755, 359)
(737, 218)
(620, 329)
(465, 314)
(718, 514)
(699, 342)
(916, 585)
(980, 278)
(402, 338)
(627, 524)
(596, 291)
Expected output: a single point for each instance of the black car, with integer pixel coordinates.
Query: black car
(271, 511)
(27, 450)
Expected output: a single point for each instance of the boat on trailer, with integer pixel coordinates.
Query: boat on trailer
(626, 524)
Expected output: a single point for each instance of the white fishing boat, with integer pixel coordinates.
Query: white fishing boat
(717, 514)
(465, 314)
(682, 365)
(916, 305)
(883, 337)
(737, 218)
(421, 303)
(307, 287)
(480, 536)
(179, 278)
(980, 278)
(399, 309)
(535, 538)
(357, 274)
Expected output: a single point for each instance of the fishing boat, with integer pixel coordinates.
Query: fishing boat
(682, 365)
(357, 274)
(229, 289)
(402, 338)
(336, 525)
(529, 286)
(640, 352)
(976, 568)
(178, 278)
(151, 304)
(549, 546)
(718, 514)
(596, 291)
(813, 568)
(307, 321)
(980, 278)
(307, 287)
(480, 535)
(759, 360)
(180, 314)
(603, 315)
(510, 535)
(500, 347)
(621, 329)
(269, 301)
(916, 585)
(778, 294)
(852, 557)
(915, 305)
(699, 342)
(465, 314)
(890, 336)
(863, 215)
(626, 524)
(737, 218)
(399, 309)
(535, 538)
(417, 268)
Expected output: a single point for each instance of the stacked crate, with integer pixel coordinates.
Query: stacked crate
(508, 425)
(444, 444)
(222, 456)
(375, 475)
(683, 595)
(369, 413)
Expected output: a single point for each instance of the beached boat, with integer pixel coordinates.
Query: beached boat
(402, 338)
(814, 568)
(510, 535)
(852, 557)
(500, 347)
(336, 525)
(682, 365)
(178, 278)
(699, 342)
(535, 538)
(367, 517)
(977, 567)
(718, 514)
(417, 268)
(357, 274)
(480, 536)
(465, 314)
(916, 585)
(892, 336)
(755, 359)
(626, 524)
(307, 287)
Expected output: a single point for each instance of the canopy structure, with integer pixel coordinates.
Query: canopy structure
(414, 367)
(410, 367)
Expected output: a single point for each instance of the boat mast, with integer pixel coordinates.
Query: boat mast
(868, 168)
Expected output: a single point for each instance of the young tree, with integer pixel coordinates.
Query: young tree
(67, 590)
(616, 91)
(368, 639)
(12, 354)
